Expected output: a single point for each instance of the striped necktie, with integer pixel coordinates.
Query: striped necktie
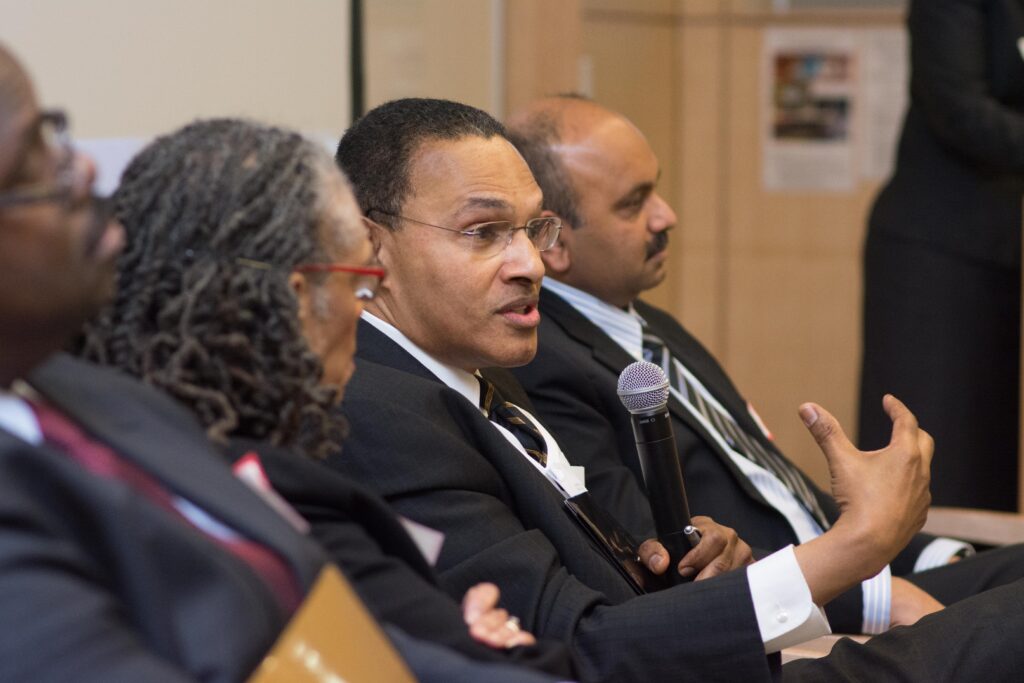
(656, 351)
(511, 417)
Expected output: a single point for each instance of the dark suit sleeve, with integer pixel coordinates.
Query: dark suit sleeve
(365, 539)
(951, 56)
(429, 470)
(59, 620)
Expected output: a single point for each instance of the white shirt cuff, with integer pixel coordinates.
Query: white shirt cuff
(877, 593)
(938, 553)
(786, 615)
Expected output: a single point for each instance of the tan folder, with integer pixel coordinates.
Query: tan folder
(332, 639)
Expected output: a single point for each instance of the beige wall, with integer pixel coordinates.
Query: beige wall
(134, 68)
(435, 48)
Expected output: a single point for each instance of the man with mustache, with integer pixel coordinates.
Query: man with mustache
(459, 234)
(599, 174)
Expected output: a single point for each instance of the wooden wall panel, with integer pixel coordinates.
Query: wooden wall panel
(631, 8)
(432, 48)
(542, 49)
(700, 234)
(634, 66)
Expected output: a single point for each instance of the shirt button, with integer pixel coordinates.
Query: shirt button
(782, 617)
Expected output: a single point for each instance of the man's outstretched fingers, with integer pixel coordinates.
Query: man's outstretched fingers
(824, 428)
(904, 423)
(926, 444)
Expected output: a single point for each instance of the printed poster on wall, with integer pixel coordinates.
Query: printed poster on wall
(834, 100)
(809, 109)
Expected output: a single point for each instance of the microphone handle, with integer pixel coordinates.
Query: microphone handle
(659, 461)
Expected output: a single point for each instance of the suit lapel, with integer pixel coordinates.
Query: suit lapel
(375, 346)
(181, 459)
(614, 358)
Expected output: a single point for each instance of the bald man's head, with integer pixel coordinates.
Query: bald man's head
(537, 130)
(598, 172)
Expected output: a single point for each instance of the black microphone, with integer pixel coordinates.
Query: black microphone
(643, 390)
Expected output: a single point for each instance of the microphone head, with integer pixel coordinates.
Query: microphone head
(643, 387)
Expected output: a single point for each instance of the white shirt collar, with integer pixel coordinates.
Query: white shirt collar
(625, 327)
(456, 378)
(569, 479)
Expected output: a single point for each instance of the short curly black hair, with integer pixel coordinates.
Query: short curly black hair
(192, 315)
(375, 152)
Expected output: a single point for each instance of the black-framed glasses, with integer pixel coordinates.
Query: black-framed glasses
(52, 125)
(491, 238)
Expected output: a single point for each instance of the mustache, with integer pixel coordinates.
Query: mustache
(658, 244)
(100, 213)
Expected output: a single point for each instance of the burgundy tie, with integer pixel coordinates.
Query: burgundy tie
(102, 461)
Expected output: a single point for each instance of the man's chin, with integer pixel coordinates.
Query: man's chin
(514, 356)
(654, 279)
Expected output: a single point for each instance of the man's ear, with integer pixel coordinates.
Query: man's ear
(558, 258)
(373, 231)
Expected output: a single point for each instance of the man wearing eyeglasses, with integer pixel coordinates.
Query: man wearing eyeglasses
(128, 550)
(450, 197)
(96, 575)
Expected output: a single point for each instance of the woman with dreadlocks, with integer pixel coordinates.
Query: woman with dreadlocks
(239, 290)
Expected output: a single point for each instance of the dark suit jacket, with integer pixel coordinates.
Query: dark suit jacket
(438, 461)
(365, 539)
(99, 584)
(572, 382)
(960, 167)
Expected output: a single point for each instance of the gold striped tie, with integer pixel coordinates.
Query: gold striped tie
(511, 417)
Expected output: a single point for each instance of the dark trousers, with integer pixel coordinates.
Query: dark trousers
(942, 333)
(977, 639)
(954, 582)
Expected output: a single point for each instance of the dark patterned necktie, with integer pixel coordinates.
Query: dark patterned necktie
(512, 418)
(656, 351)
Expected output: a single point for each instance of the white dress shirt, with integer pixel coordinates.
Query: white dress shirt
(782, 601)
(625, 328)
